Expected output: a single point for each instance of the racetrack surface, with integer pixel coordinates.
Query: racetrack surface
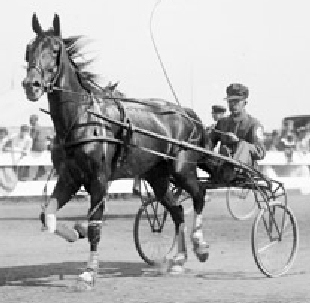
(38, 267)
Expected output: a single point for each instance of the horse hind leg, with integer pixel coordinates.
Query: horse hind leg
(160, 184)
(185, 174)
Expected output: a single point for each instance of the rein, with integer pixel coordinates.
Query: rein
(128, 100)
(92, 100)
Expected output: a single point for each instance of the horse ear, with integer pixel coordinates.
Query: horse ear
(56, 25)
(36, 25)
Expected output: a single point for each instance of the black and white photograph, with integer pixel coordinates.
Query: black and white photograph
(155, 151)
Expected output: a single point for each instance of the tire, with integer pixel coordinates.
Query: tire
(154, 232)
(276, 256)
(241, 203)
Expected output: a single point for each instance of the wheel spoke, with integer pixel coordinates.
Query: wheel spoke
(266, 246)
(274, 239)
(154, 232)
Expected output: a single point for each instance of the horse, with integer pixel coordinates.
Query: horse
(84, 153)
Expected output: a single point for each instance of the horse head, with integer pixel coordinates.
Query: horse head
(43, 55)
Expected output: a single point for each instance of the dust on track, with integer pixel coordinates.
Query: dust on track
(32, 263)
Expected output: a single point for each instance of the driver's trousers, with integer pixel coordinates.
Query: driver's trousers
(242, 152)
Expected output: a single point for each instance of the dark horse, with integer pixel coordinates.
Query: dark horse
(83, 158)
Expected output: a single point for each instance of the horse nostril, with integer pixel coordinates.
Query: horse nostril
(24, 83)
(36, 84)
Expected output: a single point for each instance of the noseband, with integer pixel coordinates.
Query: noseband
(48, 87)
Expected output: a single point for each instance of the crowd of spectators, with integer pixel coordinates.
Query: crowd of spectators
(34, 138)
(30, 138)
(289, 138)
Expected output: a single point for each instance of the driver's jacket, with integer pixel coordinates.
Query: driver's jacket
(247, 129)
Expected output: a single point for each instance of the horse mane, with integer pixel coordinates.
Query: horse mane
(73, 47)
(88, 80)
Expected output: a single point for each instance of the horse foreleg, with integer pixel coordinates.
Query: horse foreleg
(98, 199)
(61, 195)
(88, 277)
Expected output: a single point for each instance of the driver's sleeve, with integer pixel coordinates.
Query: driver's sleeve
(256, 141)
(215, 137)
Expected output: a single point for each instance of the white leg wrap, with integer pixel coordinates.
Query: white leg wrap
(51, 223)
(93, 261)
(197, 228)
(197, 221)
(52, 206)
(87, 277)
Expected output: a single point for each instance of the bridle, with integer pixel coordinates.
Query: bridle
(47, 86)
(50, 86)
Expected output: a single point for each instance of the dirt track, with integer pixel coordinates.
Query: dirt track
(32, 262)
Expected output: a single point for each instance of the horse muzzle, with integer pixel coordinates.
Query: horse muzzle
(33, 89)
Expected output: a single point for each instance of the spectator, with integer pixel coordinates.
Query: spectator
(3, 137)
(307, 128)
(287, 127)
(288, 145)
(39, 140)
(303, 141)
(218, 112)
(19, 143)
(8, 176)
(287, 140)
(274, 141)
(40, 143)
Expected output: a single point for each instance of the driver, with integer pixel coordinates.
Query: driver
(241, 135)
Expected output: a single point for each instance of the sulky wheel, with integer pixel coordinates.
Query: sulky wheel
(154, 232)
(274, 239)
(146, 191)
(241, 203)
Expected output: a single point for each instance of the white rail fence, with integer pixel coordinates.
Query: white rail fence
(28, 176)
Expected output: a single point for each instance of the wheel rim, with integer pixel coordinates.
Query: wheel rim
(275, 245)
(241, 203)
(154, 232)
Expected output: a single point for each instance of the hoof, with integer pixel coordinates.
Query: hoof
(164, 266)
(86, 280)
(81, 228)
(176, 265)
(201, 251)
(176, 269)
(203, 257)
